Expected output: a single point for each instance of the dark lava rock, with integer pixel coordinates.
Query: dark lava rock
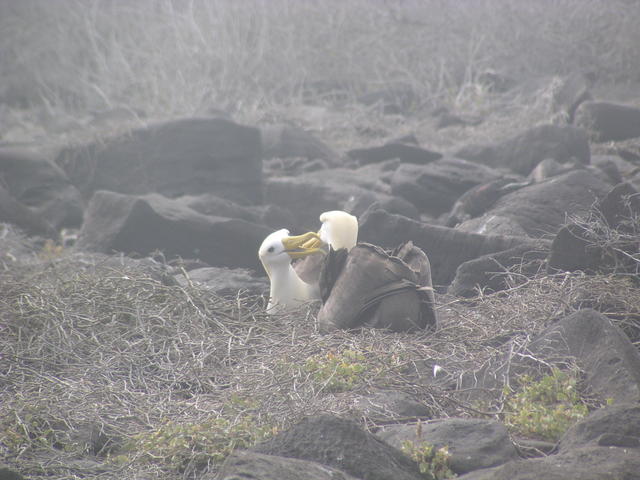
(609, 121)
(608, 166)
(610, 361)
(389, 405)
(251, 465)
(406, 154)
(477, 200)
(494, 225)
(361, 202)
(447, 248)
(142, 224)
(615, 425)
(341, 444)
(491, 272)
(309, 194)
(576, 248)
(548, 168)
(14, 212)
(435, 187)
(572, 250)
(473, 443)
(542, 208)
(283, 141)
(208, 204)
(589, 463)
(524, 151)
(180, 157)
(619, 205)
(42, 186)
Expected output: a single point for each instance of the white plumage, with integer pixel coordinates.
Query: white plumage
(339, 229)
(287, 289)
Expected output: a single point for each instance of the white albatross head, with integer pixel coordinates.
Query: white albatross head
(276, 253)
(339, 229)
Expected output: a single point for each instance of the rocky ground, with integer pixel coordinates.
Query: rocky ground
(134, 341)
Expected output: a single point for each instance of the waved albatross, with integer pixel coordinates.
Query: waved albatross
(339, 230)
(361, 284)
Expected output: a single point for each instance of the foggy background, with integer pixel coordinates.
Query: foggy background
(69, 59)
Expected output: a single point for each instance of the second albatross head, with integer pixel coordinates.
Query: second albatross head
(339, 229)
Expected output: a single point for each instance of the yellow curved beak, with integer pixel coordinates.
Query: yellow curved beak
(303, 245)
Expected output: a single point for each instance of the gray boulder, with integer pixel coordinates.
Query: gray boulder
(610, 361)
(576, 246)
(209, 204)
(607, 121)
(542, 208)
(391, 405)
(615, 425)
(493, 225)
(361, 202)
(447, 248)
(18, 214)
(142, 224)
(491, 272)
(407, 153)
(174, 158)
(42, 187)
(477, 200)
(251, 465)
(588, 463)
(524, 151)
(341, 444)
(435, 187)
(309, 194)
(283, 141)
(473, 443)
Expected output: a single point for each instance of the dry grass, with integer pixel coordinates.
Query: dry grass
(95, 358)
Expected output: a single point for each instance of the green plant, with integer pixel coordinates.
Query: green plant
(433, 463)
(546, 408)
(194, 445)
(337, 372)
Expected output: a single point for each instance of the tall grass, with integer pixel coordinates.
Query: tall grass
(168, 57)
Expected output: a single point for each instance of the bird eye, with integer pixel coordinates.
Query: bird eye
(270, 250)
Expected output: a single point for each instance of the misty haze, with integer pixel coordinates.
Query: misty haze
(333, 239)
